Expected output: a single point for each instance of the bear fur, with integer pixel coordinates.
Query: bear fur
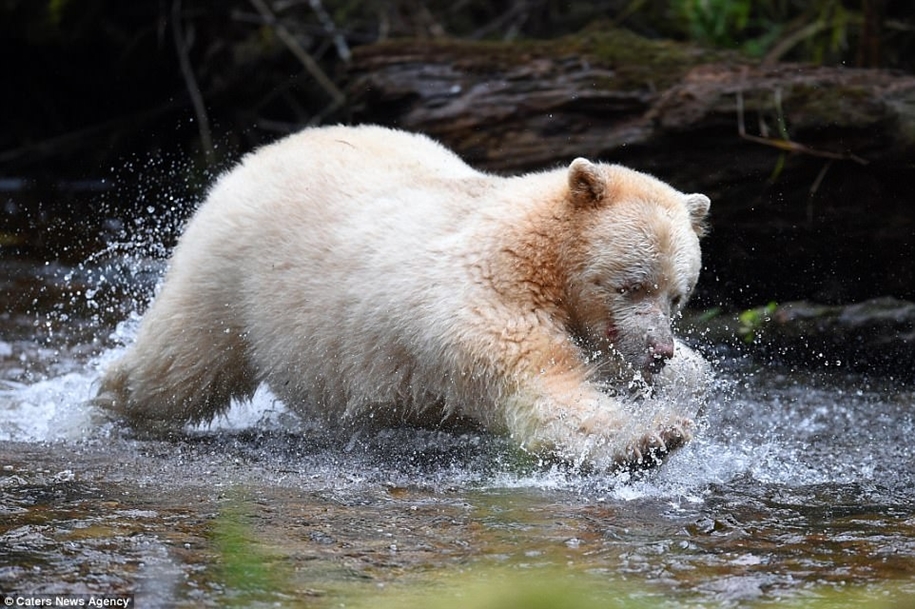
(368, 274)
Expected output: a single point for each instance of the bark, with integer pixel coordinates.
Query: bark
(519, 106)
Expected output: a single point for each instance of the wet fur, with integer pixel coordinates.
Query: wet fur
(369, 273)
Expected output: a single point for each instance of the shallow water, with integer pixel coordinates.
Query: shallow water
(799, 487)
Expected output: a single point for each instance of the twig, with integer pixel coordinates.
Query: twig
(339, 41)
(428, 20)
(187, 71)
(518, 9)
(786, 144)
(787, 43)
(311, 66)
(814, 188)
(634, 7)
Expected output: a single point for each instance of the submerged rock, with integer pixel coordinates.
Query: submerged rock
(876, 336)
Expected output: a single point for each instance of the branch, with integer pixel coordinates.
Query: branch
(187, 71)
(311, 66)
(787, 145)
(339, 41)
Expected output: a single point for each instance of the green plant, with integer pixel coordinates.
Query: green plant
(752, 321)
(715, 22)
(248, 572)
(56, 9)
(811, 30)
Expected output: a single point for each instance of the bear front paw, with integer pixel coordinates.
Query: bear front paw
(651, 449)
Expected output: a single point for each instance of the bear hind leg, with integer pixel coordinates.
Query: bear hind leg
(160, 385)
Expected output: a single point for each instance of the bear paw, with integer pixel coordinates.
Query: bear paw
(651, 449)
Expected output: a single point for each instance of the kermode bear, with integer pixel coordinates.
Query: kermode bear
(367, 274)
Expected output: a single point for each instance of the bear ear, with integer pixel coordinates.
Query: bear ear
(698, 205)
(587, 183)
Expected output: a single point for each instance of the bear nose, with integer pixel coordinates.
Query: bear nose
(660, 351)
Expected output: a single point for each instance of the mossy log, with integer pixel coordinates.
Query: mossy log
(809, 168)
(522, 105)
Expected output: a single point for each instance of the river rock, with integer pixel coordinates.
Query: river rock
(875, 336)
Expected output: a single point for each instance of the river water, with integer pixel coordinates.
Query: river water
(799, 488)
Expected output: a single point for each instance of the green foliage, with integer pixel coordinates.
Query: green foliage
(753, 320)
(716, 22)
(811, 30)
(708, 315)
(56, 10)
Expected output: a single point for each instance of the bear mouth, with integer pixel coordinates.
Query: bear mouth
(648, 363)
(653, 364)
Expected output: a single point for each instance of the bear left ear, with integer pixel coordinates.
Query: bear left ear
(586, 183)
(698, 205)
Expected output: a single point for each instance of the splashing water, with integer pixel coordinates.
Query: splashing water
(774, 425)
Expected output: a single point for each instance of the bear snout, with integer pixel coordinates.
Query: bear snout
(659, 351)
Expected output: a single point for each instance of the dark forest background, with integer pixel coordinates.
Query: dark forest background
(90, 81)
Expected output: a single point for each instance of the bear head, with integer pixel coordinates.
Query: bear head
(633, 261)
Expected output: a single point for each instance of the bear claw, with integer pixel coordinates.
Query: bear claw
(651, 450)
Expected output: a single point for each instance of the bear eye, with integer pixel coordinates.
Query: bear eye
(630, 288)
(675, 302)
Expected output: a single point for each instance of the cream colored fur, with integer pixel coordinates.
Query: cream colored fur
(366, 273)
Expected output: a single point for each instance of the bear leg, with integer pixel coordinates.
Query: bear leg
(185, 366)
(592, 430)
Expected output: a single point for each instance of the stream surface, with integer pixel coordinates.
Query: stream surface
(799, 488)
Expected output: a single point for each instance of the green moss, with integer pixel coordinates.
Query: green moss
(631, 59)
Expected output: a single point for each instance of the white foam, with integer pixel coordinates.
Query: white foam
(59, 408)
(52, 409)
(264, 411)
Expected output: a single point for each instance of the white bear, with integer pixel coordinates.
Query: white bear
(369, 274)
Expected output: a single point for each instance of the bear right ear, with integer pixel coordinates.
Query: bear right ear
(698, 205)
(587, 183)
